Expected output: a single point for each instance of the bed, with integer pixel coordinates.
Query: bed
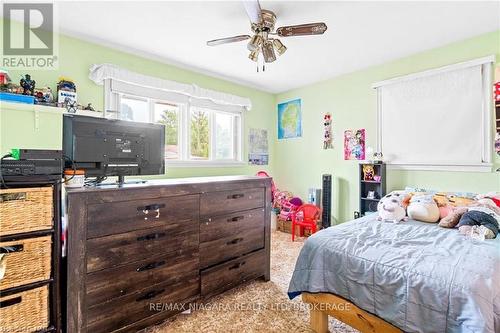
(412, 276)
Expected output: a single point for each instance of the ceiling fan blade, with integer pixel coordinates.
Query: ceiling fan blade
(302, 29)
(215, 42)
(253, 10)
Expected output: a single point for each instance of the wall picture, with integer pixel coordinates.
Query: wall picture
(290, 119)
(328, 134)
(258, 151)
(354, 144)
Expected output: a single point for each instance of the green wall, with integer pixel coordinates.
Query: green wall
(76, 57)
(352, 103)
(296, 164)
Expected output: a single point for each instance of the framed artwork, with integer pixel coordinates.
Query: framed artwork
(354, 144)
(290, 119)
(258, 151)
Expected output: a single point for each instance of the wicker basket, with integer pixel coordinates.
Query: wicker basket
(26, 311)
(26, 261)
(286, 226)
(25, 209)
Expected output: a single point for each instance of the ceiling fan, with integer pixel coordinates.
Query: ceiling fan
(262, 41)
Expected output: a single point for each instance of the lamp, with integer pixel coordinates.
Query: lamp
(279, 47)
(254, 55)
(254, 42)
(268, 52)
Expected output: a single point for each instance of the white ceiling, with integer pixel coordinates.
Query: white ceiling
(359, 35)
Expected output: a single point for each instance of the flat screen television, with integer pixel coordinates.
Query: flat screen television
(107, 147)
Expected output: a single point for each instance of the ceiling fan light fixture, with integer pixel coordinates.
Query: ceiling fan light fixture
(268, 52)
(254, 55)
(279, 47)
(254, 42)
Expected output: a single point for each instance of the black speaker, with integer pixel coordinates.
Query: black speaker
(327, 201)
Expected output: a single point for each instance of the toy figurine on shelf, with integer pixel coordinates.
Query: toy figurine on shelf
(66, 91)
(368, 172)
(4, 77)
(48, 97)
(28, 85)
(89, 107)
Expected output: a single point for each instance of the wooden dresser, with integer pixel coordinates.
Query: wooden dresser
(168, 242)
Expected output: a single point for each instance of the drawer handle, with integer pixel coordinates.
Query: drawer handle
(12, 248)
(151, 207)
(154, 207)
(236, 218)
(12, 196)
(151, 236)
(236, 196)
(234, 241)
(149, 295)
(152, 265)
(238, 265)
(10, 302)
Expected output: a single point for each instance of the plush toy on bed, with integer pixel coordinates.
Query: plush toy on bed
(392, 207)
(423, 208)
(482, 214)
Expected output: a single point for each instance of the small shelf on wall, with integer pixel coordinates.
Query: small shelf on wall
(369, 187)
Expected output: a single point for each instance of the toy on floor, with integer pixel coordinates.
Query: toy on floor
(306, 216)
(423, 208)
(288, 208)
(391, 208)
(273, 186)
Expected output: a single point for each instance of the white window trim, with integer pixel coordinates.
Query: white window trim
(112, 104)
(486, 114)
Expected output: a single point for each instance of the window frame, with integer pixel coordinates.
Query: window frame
(113, 102)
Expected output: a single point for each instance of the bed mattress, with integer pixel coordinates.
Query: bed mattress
(416, 276)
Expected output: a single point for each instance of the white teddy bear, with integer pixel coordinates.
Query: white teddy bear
(391, 207)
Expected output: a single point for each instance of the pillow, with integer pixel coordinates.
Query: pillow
(423, 208)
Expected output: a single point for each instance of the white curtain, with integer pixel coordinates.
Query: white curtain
(436, 119)
(125, 81)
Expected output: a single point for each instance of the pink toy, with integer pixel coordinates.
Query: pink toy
(288, 208)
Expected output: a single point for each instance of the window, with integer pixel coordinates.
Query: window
(193, 135)
(438, 119)
(168, 114)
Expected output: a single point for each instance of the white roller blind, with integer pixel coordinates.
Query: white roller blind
(437, 119)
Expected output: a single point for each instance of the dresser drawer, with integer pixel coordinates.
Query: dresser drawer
(119, 313)
(246, 240)
(121, 281)
(217, 203)
(26, 261)
(118, 217)
(212, 228)
(225, 276)
(109, 251)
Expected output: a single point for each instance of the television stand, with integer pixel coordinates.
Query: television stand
(121, 181)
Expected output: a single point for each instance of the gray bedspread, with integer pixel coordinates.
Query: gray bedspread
(415, 275)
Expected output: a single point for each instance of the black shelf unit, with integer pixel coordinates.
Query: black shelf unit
(369, 205)
(54, 282)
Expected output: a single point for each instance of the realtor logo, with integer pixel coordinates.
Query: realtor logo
(28, 36)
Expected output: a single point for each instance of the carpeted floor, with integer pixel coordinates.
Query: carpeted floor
(257, 306)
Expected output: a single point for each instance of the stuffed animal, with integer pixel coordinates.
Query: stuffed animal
(392, 207)
(368, 172)
(452, 219)
(423, 208)
(481, 214)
